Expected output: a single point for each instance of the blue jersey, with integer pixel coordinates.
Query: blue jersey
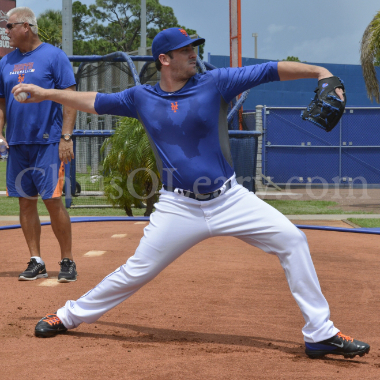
(38, 123)
(188, 129)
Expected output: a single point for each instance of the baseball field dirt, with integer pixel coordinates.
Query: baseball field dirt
(221, 311)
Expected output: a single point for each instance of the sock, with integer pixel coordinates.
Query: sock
(38, 259)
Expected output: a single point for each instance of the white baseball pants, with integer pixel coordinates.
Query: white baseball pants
(237, 213)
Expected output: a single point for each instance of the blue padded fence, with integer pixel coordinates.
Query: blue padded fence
(297, 152)
(244, 145)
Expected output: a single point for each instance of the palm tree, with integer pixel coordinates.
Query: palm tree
(50, 27)
(130, 172)
(370, 57)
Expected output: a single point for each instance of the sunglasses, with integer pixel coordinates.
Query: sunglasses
(10, 26)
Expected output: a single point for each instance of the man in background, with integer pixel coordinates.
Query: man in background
(38, 138)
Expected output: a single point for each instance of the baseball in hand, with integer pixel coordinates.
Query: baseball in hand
(21, 97)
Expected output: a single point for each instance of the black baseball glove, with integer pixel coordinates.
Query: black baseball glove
(326, 108)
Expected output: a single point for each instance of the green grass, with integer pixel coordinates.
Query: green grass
(87, 181)
(90, 182)
(3, 165)
(309, 207)
(365, 223)
(9, 206)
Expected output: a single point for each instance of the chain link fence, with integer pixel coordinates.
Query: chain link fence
(107, 74)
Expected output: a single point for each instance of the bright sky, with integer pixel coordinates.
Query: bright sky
(323, 31)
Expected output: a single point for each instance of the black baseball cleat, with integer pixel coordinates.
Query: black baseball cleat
(33, 271)
(68, 272)
(49, 326)
(339, 344)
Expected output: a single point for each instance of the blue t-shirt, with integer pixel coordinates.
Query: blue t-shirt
(188, 129)
(36, 123)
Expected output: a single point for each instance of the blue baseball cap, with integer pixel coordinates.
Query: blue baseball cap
(172, 39)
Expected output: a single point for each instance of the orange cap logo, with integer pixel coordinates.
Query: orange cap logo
(183, 31)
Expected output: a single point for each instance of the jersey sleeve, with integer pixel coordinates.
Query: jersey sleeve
(119, 103)
(233, 81)
(63, 74)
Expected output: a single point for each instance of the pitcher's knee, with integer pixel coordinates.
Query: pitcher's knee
(291, 237)
(139, 272)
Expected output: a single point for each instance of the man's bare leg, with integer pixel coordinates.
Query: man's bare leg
(61, 225)
(31, 227)
(30, 224)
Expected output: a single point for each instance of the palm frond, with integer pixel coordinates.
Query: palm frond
(129, 151)
(369, 48)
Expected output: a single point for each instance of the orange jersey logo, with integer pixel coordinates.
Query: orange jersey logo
(21, 78)
(174, 107)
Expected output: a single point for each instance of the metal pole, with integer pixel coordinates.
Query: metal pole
(143, 25)
(255, 35)
(67, 27)
(142, 48)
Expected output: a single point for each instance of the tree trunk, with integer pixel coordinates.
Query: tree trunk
(150, 205)
(128, 211)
